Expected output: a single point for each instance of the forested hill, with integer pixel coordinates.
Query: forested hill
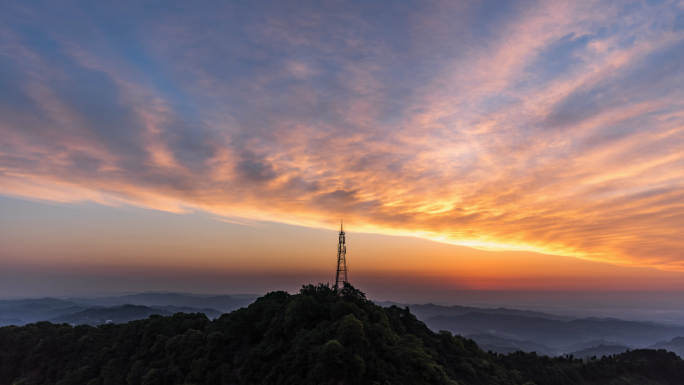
(319, 336)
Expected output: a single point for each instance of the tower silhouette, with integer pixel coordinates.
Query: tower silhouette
(341, 275)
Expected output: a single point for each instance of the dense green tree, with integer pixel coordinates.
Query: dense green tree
(319, 336)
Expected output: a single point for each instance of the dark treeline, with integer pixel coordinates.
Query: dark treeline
(319, 336)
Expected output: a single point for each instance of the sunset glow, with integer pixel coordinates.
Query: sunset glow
(548, 127)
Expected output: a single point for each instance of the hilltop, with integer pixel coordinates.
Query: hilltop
(319, 336)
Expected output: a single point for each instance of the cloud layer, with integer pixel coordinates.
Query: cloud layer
(547, 126)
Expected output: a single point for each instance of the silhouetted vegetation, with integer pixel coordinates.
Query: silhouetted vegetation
(318, 336)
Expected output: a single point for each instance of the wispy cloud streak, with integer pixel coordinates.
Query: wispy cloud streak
(548, 126)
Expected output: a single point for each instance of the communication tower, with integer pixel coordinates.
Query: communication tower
(341, 275)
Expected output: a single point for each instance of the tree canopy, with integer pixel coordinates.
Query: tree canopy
(319, 336)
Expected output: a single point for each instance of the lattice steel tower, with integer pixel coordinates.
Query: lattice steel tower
(341, 275)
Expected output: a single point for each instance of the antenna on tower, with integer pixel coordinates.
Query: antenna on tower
(341, 275)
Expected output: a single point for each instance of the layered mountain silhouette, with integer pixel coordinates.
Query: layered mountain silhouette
(555, 333)
(423, 312)
(223, 303)
(675, 345)
(25, 311)
(590, 344)
(599, 351)
(501, 345)
(10, 321)
(126, 313)
(115, 314)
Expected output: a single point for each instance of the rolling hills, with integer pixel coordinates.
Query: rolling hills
(555, 333)
(319, 336)
(24, 311)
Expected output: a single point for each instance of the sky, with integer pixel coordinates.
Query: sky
(489, 146)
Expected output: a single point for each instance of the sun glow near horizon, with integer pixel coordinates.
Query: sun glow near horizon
(553, 128)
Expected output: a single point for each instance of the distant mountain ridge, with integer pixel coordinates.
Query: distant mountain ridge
(24, 311)
(33, 302)
(10, 322)
(116, 314)
(504, 330)
(501, 345)
(599, 351)
(555, 333)
(224, 303)
(675, 345)
(598, 348)
(590, 344)
(198, 295)
(423, 312)
(209, 312)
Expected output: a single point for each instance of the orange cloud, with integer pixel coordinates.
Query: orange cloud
(555, 129)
